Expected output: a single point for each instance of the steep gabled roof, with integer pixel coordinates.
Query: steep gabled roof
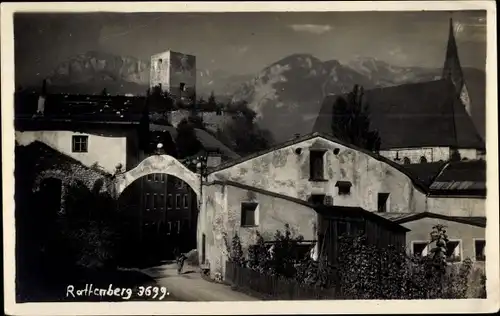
(427, 114)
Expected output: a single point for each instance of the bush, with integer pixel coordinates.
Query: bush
(91, 228)
(363, 271)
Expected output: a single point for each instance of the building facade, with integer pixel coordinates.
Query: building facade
(283, 185)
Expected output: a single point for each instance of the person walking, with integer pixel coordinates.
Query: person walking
(181, 258)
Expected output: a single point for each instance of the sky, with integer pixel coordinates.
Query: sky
(245, 43)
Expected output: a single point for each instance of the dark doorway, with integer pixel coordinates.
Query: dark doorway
(162, 213)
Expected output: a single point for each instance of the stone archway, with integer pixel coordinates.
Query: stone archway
(131, 189)
(158, 164)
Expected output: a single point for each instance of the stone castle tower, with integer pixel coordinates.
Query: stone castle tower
(175, 73)
(452, 69)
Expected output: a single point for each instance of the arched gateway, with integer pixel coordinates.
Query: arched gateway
(158, 164)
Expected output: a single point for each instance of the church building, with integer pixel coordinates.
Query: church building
(421, 122)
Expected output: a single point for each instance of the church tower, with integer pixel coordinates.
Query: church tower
(452, 70)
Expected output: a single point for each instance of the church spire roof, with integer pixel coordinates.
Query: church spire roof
(452, 70)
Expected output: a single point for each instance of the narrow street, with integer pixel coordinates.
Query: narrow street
(190, 286)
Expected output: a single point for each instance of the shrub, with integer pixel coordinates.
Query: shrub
(363, 271)
(234, 249)
(91, 227)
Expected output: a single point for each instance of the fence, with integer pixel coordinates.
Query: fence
(273, 287)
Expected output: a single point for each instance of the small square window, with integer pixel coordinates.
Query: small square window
(317, 199)
(420, 248)
(316, 165)
(80, 144)
(147, 201)
(155, 201)
(248, 214)
(344, 187)
(178, 201)
(382, 202)
(480, 248)
(169, 201)
(161, 201)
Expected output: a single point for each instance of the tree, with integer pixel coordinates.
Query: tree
(212, 103)
(351, 122)
(186, 140)
(241, 133)
(160, 100)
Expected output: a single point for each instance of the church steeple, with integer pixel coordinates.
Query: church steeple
(452, 70)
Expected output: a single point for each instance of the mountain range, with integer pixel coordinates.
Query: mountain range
(286, 94)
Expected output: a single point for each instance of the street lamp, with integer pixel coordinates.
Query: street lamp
(159, 147)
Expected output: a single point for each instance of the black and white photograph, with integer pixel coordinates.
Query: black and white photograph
(219, 153)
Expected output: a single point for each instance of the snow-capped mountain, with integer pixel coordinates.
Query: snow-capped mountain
(286, 94)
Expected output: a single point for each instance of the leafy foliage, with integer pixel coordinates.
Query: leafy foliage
(364, 271)
(186, 140)
(90, 224)
(242, 133)
(351, 121)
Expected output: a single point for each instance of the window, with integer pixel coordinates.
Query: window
(344, 187)
(147, 201)
(423, 159)
(420, 248)
(453, 251)
(80, 144)
(406, 161)
(156, 177)
(185, 201)
(178, 227)
(316, 165)
(382, 202)
(480, 247)
(169, 228)
(155, 201)
(317, 199)
(161, 201)
(248, 214)
(169, 201)
(149, 177)
(162, 177)
(177, 201)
